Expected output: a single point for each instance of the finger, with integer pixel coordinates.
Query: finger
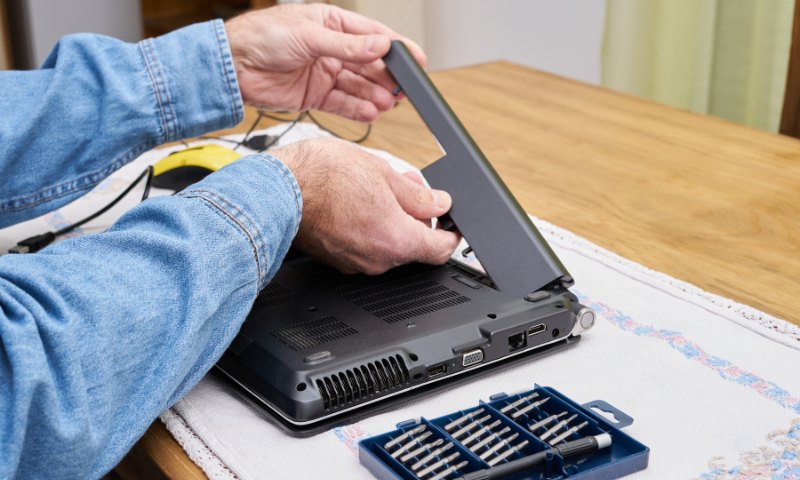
(348, 106)
(427, 223)
(322, 42)
(374, 71)
(414, 177)
(351, 22)
(416, 51)
(417, 178)
(360, 87)
(429, 246)
(417, 200)
(377, 72)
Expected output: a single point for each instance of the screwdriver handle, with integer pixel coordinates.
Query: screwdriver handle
(582, 445)
(568, 449)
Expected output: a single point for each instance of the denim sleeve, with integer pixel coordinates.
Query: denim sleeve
(97, 103)
(102, 333)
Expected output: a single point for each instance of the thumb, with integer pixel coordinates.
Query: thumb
(415, 177)
(323, 42)
(418, 200)
(427, 245)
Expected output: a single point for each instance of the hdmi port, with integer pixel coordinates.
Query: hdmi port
(437, 370)
(537, 329)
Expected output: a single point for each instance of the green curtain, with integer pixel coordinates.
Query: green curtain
(722, 57)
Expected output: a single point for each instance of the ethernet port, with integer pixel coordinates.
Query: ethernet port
(517, 341)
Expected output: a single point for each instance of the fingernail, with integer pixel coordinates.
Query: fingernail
(373, 44)
(442, 198)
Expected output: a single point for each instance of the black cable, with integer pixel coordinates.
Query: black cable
(38, 242)
(320, 125)
(262, 114)
(276, 117)
(252, 127)
(323, 127)
(148, 172)
(148, 182)
(280, 135)
(208, 137)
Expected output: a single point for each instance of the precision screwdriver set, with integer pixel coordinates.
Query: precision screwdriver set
(537, 434)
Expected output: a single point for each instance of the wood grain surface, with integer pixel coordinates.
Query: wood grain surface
(699, 198)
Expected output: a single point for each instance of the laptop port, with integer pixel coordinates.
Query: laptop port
(437, 370)
(537, 329)
(472, 357)
(517, 341)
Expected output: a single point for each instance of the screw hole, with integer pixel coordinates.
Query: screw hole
(558, 305)
(417, 376)
(312, 309)
(413, 357)
(301, 386)
(492, 315)
(555, 332)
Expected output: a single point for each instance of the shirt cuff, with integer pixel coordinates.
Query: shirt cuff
(260, 196)
(194, 79)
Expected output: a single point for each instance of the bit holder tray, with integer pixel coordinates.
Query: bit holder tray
(504, 429)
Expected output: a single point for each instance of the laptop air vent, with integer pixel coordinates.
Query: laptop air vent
(353, 385)
(395, 299)
(313, 332)
(273, 294)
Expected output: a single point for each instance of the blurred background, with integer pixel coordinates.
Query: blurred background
(722, 57)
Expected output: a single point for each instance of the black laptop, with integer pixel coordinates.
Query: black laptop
(321, 348)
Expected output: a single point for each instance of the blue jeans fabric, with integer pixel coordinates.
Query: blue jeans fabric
(100, 334)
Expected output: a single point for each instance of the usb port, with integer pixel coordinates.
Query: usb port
(472, 357)
(437, 370)
(537, 329)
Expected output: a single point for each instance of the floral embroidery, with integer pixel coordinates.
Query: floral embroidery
(778, 460)
(350, 435)
(693, 351)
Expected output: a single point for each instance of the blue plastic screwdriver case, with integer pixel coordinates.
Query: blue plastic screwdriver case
(625, 455)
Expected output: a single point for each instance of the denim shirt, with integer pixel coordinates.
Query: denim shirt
(100, 334)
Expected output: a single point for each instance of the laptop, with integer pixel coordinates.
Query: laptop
(321, 348)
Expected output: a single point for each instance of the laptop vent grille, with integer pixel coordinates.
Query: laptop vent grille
(353, 385)
(400, 299)
(313, 332)
(273, 294)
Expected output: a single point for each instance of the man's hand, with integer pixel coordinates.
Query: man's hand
(298, 57)
(360, 215)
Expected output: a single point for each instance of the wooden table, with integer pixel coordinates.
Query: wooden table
(701, 199)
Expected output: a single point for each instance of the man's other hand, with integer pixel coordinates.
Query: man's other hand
(359, 214)
(300, 57)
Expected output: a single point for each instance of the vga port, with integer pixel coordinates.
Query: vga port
(472, 357)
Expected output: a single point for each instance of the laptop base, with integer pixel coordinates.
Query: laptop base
(231, 370)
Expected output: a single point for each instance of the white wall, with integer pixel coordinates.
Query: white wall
(558, 36)
(52, 19)
(402, 16)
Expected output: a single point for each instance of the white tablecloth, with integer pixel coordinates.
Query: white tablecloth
(713, 385)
